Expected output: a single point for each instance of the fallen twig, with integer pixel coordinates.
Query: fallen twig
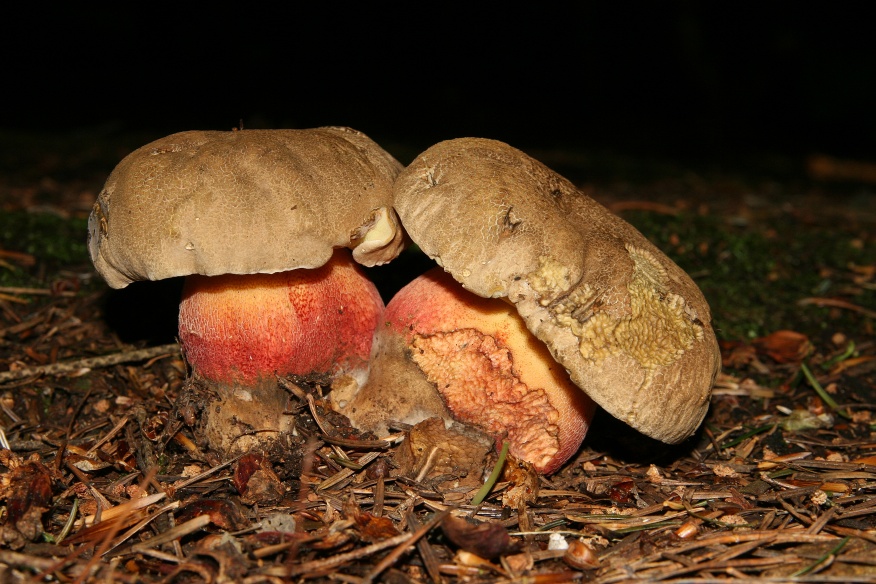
(90, 362)
(35, 291)
(395, 554)
(340, 559)
(186, 528)
(834, 303)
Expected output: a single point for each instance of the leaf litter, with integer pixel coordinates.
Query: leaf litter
(102, 478)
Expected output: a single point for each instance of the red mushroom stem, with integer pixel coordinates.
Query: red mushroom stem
(239, 331)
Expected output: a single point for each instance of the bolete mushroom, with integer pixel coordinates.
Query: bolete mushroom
(254, 219)
(445, 352)
(630, 327)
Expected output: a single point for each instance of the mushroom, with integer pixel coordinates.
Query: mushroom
(630, 327)
(254, 219)
(444, 352)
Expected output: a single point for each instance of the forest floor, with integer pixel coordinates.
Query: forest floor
(100, 480)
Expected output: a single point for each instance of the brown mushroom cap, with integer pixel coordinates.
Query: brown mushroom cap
(244, 202)
(630, 326)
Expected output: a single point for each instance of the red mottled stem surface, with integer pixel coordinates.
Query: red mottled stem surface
(240, 329)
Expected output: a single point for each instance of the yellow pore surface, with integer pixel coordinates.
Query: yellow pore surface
(491, 371)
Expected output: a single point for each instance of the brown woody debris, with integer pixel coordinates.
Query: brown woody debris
(27, 491)
(784, 346)
(456, 455)
(256, 481)
(486, 540)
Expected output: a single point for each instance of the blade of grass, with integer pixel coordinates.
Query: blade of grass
(494, 476)
(850, 350)
(825, 397)
(747, 435)
(829, 556)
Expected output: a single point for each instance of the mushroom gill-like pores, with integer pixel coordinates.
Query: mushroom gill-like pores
(631, 328)
(254, 219)
(443, 347)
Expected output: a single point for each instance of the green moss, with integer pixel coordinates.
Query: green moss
(754, 276)
(53, 242)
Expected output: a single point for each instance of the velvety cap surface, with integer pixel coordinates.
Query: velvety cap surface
(242, 202)
(630, 326)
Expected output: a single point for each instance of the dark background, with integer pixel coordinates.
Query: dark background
(714, 81)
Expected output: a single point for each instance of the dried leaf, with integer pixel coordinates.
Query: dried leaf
(802, 420)
(524, 483)
(27, 490)
(84, 460)
(371, 527)
(487, 540)
(580, 556)
(256, 481)
(456, 454)
(153, 427)
(224, 514)
(622, 492)
(784, 346)
(736, 354)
